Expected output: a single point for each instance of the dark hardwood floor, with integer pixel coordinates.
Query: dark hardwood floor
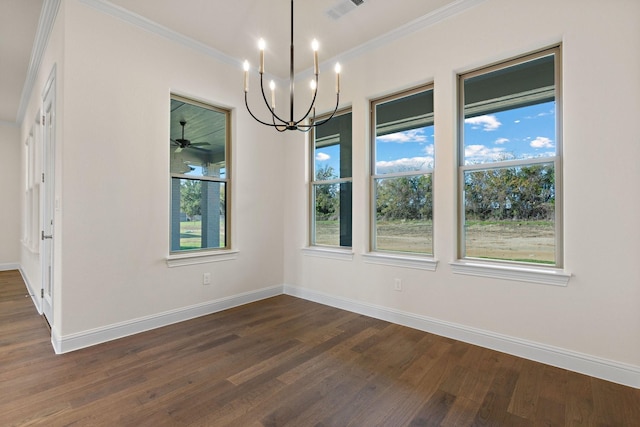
(285, 361)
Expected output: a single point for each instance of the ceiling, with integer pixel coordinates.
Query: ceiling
(231, 28)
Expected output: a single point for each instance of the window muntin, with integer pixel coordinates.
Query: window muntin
(199, 176)
(331, 182)
(402, 172)
(510, 162)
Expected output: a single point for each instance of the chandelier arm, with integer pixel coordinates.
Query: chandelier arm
(278, 127)
(273, 113)
(253, 115)
(313, 101)
(312, 125)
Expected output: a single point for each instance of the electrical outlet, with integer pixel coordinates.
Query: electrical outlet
(397, 284)
(206, 279)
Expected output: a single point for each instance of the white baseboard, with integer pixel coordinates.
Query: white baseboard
(9, 266)
(609, 370)
(33, 293)
(76, 341)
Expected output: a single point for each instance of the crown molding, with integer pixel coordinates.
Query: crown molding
(160, 30)
(45, 25)
(425, 21)
(438, 15)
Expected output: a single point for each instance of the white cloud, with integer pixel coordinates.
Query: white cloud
(501, 140)
(541, 142)
(482, 153)
(322, 157)
(416, 135)
(488, 122)
(404, 164)
(429, 150)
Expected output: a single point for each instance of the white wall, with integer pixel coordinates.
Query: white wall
(10, 195)
(597, 313)
(114, 229)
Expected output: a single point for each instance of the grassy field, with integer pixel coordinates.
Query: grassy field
(528, 241)
(191, 234)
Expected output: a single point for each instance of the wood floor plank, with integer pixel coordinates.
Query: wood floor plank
(284, 361)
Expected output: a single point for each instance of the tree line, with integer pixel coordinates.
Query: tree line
(513, 193)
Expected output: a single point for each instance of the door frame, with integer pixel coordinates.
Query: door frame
(48, 123)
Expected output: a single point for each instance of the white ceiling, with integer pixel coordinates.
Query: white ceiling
(230, 27)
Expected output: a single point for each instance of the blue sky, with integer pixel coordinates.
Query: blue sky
(519, 133)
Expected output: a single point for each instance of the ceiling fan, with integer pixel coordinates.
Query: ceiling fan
(185, 143)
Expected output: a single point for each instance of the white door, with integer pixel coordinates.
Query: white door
(48, 211)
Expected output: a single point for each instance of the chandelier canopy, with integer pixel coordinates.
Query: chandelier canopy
(277, 122)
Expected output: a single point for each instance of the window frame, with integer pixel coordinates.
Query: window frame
(313, 182)
(464, 263)
(200, 255)
(387, 256)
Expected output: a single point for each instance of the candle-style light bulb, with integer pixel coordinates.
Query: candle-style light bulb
(262, 45)
(246, 75)
(338, 69)
(272, 86)
(315, 46)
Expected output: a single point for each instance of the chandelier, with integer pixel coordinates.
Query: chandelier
(277, 122)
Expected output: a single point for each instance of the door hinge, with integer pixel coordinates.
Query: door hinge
(43, 177)
(43, 119)
(42, 293)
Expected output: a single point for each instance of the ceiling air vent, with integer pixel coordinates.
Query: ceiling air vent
(342, 7)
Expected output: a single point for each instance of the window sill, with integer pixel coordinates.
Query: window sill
(407, 261)
(179, 260)
(545, 276)
(330, 253)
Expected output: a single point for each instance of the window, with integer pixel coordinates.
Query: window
(402, 172)
(509, 161)
(331, 182)
(199, 170)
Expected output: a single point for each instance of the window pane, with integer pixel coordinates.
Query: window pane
(509, 154)
(332, 214)
(332, 148)
(404, 214)
(510, 113)
(332, 202)
(198, 140)
(510, 213)
(198, 144)
(198, 219)
(404, 134)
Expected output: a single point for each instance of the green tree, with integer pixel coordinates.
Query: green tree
(404, 198)
(518, 193)
(327, 195)
(190, 197)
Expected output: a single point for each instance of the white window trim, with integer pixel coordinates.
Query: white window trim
(204, 255)
(322, 250)
(541, 275)
(405, 261)
(182, 259)
(422, 261)
(504, 269)
(328, 252)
